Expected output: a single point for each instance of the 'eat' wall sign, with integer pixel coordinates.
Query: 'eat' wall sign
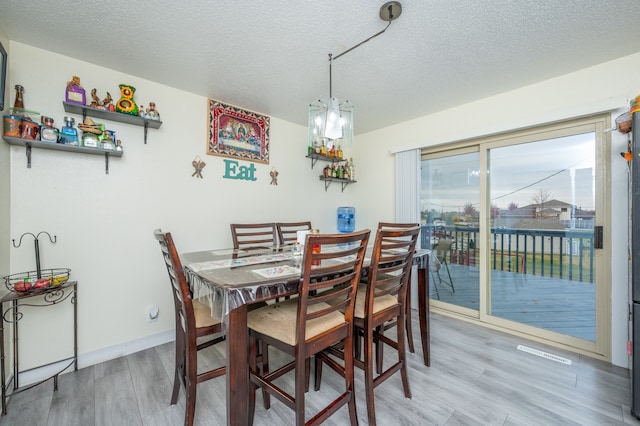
(233, 170)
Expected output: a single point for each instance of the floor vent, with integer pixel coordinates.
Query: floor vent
(543, 354)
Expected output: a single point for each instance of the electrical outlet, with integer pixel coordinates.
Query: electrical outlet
(153, 314)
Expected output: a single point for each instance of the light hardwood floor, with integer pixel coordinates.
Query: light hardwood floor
(477, 377)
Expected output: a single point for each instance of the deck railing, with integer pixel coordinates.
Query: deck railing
(564, 253)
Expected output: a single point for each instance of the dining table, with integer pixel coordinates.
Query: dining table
(232, 281)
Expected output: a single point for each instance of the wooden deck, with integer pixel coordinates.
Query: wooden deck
(563, 306)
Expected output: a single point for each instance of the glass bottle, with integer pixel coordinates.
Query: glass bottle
(107, 140)
(69, 134)
(90, 140)
(48, 133)
(339, 153)
(19, 103)
(315, 248)
(352, 170)
(323, 149)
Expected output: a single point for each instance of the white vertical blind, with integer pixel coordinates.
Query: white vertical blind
(408, 186)
(408, 200)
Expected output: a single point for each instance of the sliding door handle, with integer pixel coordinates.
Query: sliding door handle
(597, 237)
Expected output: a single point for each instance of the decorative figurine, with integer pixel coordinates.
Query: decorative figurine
(75, 94)
(198, 165)
(89, 126)
(96, 102)
(126, 104)
(108, 103)
(274, 176)
(152, 114)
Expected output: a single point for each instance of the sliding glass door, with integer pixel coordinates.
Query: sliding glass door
(514, 222)
(541, 250)
(450, 209)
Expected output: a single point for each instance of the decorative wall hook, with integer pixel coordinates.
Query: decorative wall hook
(198, 165)
(274, 176)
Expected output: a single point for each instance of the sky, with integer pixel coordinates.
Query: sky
(562, 167)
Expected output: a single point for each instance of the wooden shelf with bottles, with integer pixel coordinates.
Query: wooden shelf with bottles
(315, 157)
(328, 180)
(113, 116)
(29, 144)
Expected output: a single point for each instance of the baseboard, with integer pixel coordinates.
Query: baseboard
(96, 357)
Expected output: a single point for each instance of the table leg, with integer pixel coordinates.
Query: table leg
(423, 311)
(407, 323)
(237, 367)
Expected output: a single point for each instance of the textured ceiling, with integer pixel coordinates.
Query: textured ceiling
(271, 56)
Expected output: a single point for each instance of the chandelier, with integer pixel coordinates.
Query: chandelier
(331, 121)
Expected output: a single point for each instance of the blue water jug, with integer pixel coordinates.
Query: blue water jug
(346, 219)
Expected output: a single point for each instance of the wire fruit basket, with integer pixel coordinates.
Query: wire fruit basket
(30, 282)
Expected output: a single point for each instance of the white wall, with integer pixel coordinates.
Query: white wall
(604, 87)
(104, 223)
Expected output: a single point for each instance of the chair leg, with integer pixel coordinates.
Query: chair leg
(379, 349)
(318, 373)
(453, 290)
(191, 384)
(368, 375)
(357, 343)
(402, 358)
(435, 284)
(266, 396)
(179, 367)
(349, 380)
(300, 381)
(252, 386)
(307, 374)
(408, 326)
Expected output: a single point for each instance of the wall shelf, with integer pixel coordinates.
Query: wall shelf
(29, 144)
(113, 116)
(315, 157)
(329, 180)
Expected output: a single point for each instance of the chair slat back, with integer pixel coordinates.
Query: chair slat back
(330, 277)
(391, 262)
(185, 317)
(288, 231)
(253, 235)
(442, 247)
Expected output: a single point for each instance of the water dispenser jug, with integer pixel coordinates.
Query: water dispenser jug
(346, 219)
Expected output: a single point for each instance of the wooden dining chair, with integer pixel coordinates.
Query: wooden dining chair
(408, 324)
(253, 235)
(382, 300)
(288, 231)
(193, 321)
(320, 317)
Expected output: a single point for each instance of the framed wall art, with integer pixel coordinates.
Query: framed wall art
(3, 74)
(237, 133)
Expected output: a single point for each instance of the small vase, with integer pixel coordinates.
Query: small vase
(126, 104)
